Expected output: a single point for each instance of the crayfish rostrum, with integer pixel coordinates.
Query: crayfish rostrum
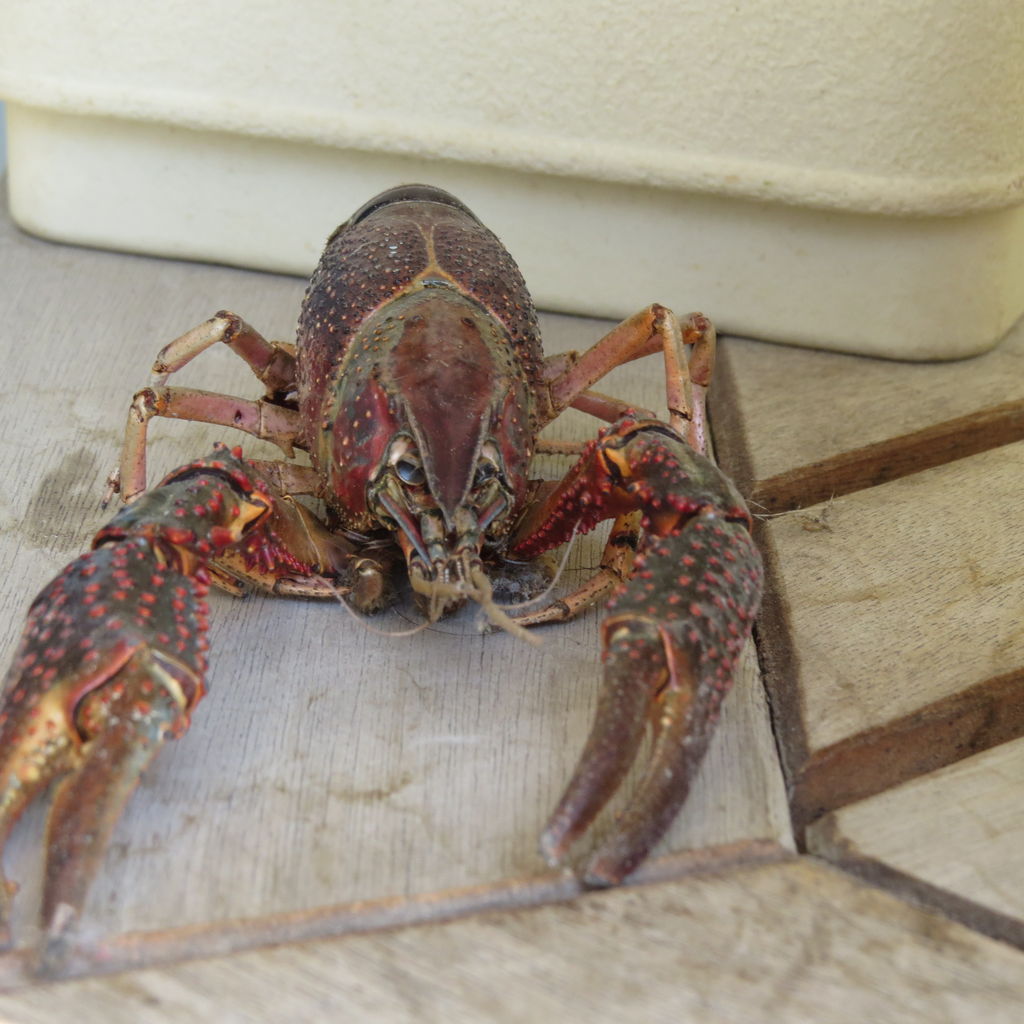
(418, 388)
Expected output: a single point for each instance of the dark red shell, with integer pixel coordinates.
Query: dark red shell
(89, 619)
(411, 254)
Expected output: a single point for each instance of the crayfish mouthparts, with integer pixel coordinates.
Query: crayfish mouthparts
(449, 584)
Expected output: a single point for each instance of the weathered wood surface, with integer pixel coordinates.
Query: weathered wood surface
(790, 942)
(797, 427)
(890, 495)
(329, 764)
(953, 838)
(904, 650)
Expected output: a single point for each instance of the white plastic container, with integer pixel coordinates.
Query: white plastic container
(843, 176)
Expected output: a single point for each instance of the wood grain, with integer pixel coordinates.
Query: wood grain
(869, 762)
(786, 942)
(795, 426)
(892, 638)
(952, 838)
(132, 950)
(887, 460)
(329, 763)
(889, 634)
(892, 605)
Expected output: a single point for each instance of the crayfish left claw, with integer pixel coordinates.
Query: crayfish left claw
(673, 636)
(663, 694)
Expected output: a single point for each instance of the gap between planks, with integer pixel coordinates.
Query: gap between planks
(941, 733)
(828, 842)
(870, 761)
(136, 950)
(891, 459)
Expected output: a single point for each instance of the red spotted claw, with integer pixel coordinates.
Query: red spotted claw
(112, 663)
(672, 633)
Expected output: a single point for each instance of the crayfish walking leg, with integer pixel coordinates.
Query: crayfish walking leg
(672, 634)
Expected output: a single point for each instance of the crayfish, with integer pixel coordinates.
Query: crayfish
(418, 388)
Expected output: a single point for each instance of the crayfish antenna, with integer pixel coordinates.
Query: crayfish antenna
(540, 598)
(484, 597)
(339, 594)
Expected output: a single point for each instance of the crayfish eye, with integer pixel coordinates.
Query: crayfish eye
(410, 471)
(489, 466)
(485, 471)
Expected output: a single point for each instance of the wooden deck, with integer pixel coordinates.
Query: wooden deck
(349, 828)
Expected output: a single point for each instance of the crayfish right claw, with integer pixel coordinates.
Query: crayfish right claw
(91, 696)
(110, 665)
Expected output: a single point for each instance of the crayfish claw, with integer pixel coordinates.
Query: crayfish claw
(681, 736)
(615, 737)
(89, 702)
(672, 639)
(664, 695)
(111, 664)
(129, 723)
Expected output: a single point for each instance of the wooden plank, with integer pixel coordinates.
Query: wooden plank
(876, 464)
(951, 728)
(329, 763)
(787, 942)
(952, 838)
(892, 637)
(132, 950)
(799, 426)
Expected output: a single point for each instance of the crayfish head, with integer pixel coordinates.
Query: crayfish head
(443, 546)
(439, 419)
